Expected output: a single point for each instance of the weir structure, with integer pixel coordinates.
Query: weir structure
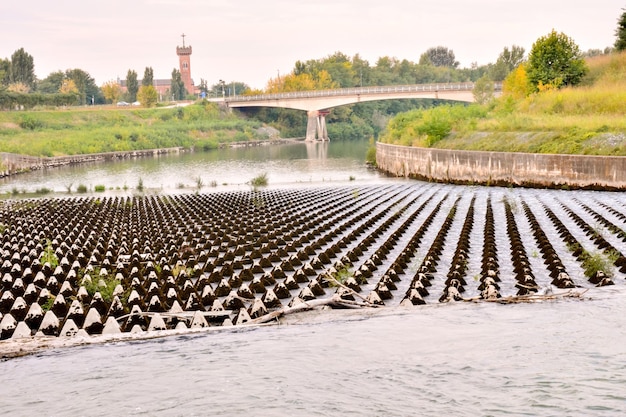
(317, 103)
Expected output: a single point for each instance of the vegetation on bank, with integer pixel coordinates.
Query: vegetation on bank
(85, 130)
(585, 119)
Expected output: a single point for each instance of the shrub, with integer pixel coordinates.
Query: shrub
(43, 190)
(82, 188)
(260, 180)
(30, 123)
(99, 188)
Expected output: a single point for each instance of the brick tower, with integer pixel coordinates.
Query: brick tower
(184, 58)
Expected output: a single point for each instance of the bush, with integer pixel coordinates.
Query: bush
(30, 123)
(82, 188)
(43, 190)
(260, 180)
(99, 188)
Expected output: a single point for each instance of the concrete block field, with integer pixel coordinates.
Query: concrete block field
(111, 265)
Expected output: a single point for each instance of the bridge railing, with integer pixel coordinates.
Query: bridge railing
(415, 88)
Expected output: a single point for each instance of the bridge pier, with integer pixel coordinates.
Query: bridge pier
(316, 126)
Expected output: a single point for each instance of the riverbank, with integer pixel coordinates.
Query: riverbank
(13, 164)
(607, 173)
(81, 131)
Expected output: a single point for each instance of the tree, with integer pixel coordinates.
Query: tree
(148, 77)
(620, 33)
(5, 71)
(439, 56)
(483, 90)
(112, 91)
(22, 68)
(68, 87)
(20, 88)
(52, 83)
(147, 95)
(516, 84)
(87, 88)
(555, 60)
(177, 86)
(507, 61)
(132, 85)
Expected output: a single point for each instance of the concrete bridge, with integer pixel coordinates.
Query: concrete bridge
(318, 102)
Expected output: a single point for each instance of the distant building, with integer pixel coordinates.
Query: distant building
(184, 60)
(163, 86)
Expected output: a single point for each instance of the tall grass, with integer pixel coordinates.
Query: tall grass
(588, 119)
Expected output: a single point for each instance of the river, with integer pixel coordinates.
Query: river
(218, 170)
(552, 358)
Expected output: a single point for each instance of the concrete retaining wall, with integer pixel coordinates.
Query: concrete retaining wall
(503, 168)
(11, 163)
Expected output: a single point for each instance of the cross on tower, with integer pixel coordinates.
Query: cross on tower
(183, 35)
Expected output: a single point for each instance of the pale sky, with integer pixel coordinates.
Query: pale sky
(252, 41)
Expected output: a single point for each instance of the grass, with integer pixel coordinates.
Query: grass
(49, 256)
(104, 284)
(595, 261)
(587, 119)
(260, 180)
(82, 131)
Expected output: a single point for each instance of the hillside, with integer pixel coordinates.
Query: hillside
(587, 119)
(105, 129)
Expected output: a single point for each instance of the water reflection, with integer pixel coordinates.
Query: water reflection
(288, 164)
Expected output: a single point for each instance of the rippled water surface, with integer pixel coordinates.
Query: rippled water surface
(549, 359)
(553, 358)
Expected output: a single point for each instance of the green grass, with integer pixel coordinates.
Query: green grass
(260, 180)
(82, 131)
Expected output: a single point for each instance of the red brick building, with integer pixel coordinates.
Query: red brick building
(163, 86)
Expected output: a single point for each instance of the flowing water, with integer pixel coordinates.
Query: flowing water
(553, 358)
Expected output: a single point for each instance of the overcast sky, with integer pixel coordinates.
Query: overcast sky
(253, 40)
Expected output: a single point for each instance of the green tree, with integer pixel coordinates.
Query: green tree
(177, 86)
(620, 33)
(22, 68)
(147, 95)
(5, 71)
(52, 83)
(148, 77)
(483, 90)
(555, 60)
(439, 56)
(87, 88)
(132, 85)
(507, 61)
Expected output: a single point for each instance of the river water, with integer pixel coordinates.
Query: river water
(553, 358)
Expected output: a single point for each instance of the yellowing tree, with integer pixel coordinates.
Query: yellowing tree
(112, 91)
(68, 86)
(324, 81)
(300, 82)
(147, 96)
(516, 84)
(18, 88)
